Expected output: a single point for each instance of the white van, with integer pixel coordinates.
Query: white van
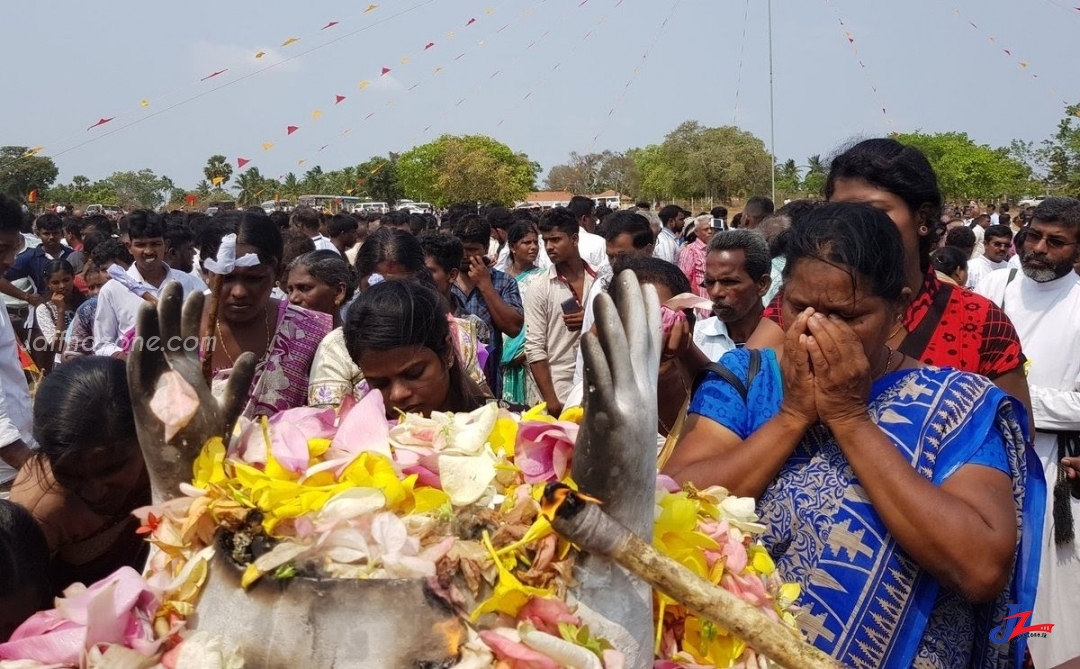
(371, 208)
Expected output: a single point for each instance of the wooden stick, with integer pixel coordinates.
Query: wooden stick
(211, 328)
(586, 525)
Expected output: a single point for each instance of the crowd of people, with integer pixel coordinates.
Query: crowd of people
(896, 382)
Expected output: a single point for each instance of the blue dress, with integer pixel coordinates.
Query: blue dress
(865, 601)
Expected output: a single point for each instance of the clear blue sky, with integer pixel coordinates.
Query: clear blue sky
(70, 62)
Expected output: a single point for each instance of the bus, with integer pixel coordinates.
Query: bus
(331, 203)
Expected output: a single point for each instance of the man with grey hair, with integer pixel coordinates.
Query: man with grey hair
(1043, 302)
(737, 270)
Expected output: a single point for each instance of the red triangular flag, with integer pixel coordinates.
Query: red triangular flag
(338, 99)
(470, 22)
(291, 129)
(101, 121)
(385, 71)
(240, 162)
(329, 25)
(32, 196)
(211, 76)
(428, 45)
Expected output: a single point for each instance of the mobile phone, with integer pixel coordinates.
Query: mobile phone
(570, 306)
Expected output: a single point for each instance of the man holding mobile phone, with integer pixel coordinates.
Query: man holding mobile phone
(554, 309)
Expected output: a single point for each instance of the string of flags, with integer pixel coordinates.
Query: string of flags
(633, 76)
(738, 77)
(850, 37)
(1007, 51)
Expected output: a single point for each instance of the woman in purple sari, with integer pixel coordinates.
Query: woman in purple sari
(245, 248)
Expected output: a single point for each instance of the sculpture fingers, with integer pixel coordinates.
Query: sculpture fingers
(613, 340)
(598, 385)
(639, 308)
(169, 306)
(191, 318)
(145, 363)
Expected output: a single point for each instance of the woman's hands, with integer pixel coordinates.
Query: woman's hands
(841, 371)
(826, 374)
(59, 301)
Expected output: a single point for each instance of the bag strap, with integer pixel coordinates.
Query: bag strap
(918, 339)
(1012, 275)
(752, 370)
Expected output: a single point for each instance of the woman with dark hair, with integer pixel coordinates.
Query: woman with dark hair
(388, 254)
(282, 336)
(950, 265)
(52, 318)
(24, 559)
(518, 386)
(320, 281)
(397, 332)
(875, 475)
(944, 325)
(87, 475)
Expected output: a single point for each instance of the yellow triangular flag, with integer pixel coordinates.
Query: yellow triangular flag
(1023, 64)
(267, 146)
(34, 151)
(438, 70)
(489, 10)
(450, 34)
(369, 8)
(291, 40)
(260, 54)
(364, 84)
(316, 114)
(404, 60)
(217, 181)
(144, 103)
(348, 191)
(301, 161)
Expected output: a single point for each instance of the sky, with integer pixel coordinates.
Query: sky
(546, 77)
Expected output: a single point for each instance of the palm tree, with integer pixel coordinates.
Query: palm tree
(217, 167)
(290, 187)
(813, 181)
(251, 187)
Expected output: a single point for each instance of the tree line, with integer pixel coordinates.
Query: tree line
(692, 162)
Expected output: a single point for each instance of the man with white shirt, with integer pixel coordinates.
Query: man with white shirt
(1043, 302)
(737, 270)
(309, 221)
(16, 420)
(667, 242)
(997, 241)
(591, 246)
(118, 304)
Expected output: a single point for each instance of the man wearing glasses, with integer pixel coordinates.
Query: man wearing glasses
(1043, 302)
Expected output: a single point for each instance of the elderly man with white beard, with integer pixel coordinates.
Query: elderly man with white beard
(1043, 302)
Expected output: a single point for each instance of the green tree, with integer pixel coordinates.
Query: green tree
(592, 173)
(290, 188)
(967, 170)
(1060, 155)
(313, 182)
(655, 177)
(466, 168)
(813, 182)
(203, 188)
(142, 189)
(252, 187)
(788, 180)
(218, 167)
(21, 173)
(378, 178)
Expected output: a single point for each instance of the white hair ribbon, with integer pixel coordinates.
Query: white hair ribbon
(226, 260)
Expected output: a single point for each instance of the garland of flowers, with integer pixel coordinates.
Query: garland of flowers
(343, 495)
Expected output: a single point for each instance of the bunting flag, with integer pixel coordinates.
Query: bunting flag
(32, 196)
(144, 103)
(217, 181)
(300, 162)
(329, 25)
(429, 45)
(850, 37)
(470, 22)
(267, 146)
(738, 77)
(240, 162)
(364, 84)
(290, 41)
(385, 71)
(291, 129)
(260, 55)
(211, 76)
(191, 199)
(101, 121)
(317, 114)
(404, 60)
(338, 99)
(322, 147)
(369, 8)
(33, 152)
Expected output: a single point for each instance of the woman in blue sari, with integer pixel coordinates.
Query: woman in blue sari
(900, 497)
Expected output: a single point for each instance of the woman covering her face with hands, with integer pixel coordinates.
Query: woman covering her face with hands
(876, 476)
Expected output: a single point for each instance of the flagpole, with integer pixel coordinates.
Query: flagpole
(772, 111)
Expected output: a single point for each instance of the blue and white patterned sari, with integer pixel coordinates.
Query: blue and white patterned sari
(865, 601)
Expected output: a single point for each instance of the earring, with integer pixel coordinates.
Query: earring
(923, 230)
